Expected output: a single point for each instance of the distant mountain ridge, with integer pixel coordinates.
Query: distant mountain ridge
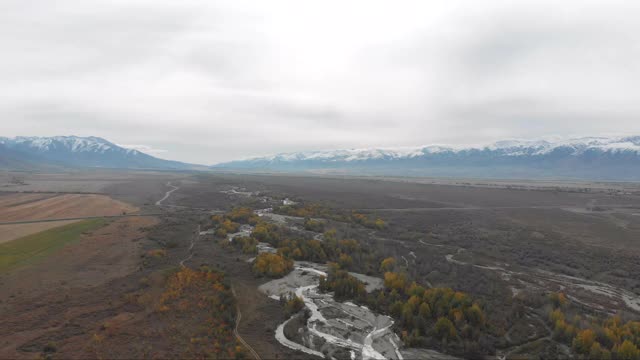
(73, 151)
(600, 158)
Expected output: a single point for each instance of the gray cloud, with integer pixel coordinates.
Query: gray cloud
(209, 81)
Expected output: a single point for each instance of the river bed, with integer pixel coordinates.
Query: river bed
(334, 325)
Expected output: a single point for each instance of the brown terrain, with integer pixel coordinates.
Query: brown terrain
(61, 298)
(20, 207)
(98, 296)
(260, 314)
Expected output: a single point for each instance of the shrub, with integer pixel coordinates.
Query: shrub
(387, 265)
(157, 253)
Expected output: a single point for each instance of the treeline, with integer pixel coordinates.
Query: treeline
(348, 253)
(429, 316)
(307, 211)
(331, 249)
(319, 211)
(593, 338)
(203, 296)
(436, 317)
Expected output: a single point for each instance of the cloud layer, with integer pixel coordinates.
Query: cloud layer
(210, 81)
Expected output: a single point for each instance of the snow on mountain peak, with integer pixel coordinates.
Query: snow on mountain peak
(76, 151)
(70, 143)
(515, 147)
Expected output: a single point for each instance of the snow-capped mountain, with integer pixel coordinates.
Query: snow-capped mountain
(589, 158)
(74, 151)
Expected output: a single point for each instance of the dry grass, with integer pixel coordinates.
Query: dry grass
(19, 207)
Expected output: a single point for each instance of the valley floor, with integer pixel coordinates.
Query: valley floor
(100, 295)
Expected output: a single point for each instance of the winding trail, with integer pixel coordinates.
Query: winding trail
(235, 329)
(190, 254)
(194, 239)
(166, 196)
(190, 250)
(158, 203)
(174, 188)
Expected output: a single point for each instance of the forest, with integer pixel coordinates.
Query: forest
(436, 317)
(319, 211)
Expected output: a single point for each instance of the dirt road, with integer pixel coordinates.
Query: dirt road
(237, 334)
(190, 250)
(166, 196)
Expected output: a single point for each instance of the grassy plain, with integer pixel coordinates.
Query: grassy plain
(17, 231)
(37, 246)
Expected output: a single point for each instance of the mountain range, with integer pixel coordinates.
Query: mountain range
(27, 153)
(592, 158)
(588, 158)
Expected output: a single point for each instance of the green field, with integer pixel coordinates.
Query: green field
(37, 246)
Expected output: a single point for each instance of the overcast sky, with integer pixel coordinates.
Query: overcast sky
(209, 81)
